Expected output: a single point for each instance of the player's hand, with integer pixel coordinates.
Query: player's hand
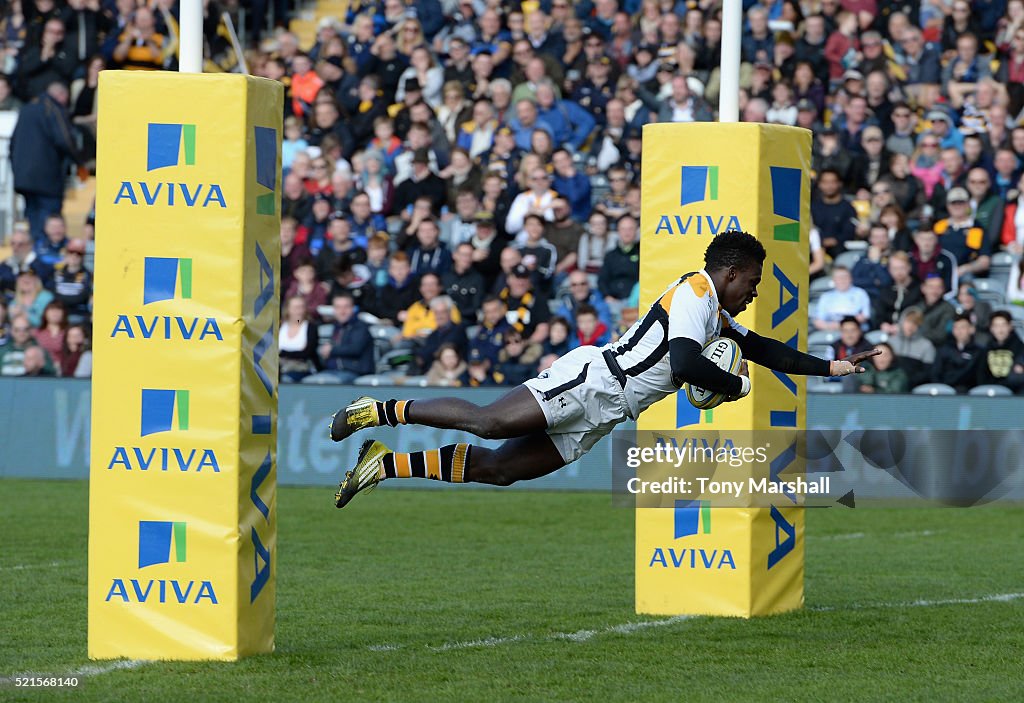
(745, 373)
(852, 365)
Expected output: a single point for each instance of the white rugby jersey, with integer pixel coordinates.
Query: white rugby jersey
(688, 308)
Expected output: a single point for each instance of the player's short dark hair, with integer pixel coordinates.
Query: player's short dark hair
(849, 318)
(963, 317)
(492, 299)
(584, 309)
(1002, 314)
(734, 248)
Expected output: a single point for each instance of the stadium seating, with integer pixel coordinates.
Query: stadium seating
(934, 389)
(390, 351)
(876, 337)
(822, 351)
(1016, 311)
(822, 337)
(990, 290)
(848, 259)
(394, 360)
(815, 385)
(377, 379)
(820, 285)
(990, 390)
(1002, 264)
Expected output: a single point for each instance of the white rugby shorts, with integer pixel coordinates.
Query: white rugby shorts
(581, 399)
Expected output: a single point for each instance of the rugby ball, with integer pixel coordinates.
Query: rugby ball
(725, 354)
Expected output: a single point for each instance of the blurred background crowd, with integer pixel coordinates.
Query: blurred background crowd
(461, 192)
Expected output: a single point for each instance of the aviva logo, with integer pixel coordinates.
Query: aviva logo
(164, 410)
(155, 538)
(686, 414)
(158, 410)
(691, 519)
(786, 202)
(166, 278)
(162, 276)
(162, 542)
(698, 183)
(266, 169)
(169, 145)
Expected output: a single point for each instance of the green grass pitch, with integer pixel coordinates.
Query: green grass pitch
(491, 596)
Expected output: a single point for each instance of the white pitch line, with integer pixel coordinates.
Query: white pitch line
(630, 627)
(82, 671)
(844, 536)
(862, 535)
(918, 533)
(48, 565)
(623, 629)
(577, 636)
(100, 669)
(485, 642)
(922, 603)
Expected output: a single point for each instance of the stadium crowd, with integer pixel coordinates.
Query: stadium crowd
(461, 192)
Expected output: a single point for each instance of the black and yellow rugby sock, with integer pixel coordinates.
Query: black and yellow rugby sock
(392, 413)
(445, 464)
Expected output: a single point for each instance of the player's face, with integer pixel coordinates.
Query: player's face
(741, 288)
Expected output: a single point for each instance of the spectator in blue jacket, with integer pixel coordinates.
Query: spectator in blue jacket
(447, 331)
(432, 18)
(428, 253)
(571, 184)
(72, 282)
(41, 146)
(348, 353)
(831, 213)
(23, 258)
(490, 335)
(590, 332)
(922, 63)
(580, 293)
(525, 122)
(55, 238)
(871, 272)
(571, 125)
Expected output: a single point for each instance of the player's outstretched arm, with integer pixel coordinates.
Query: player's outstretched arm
(690, 366)
(852, 364)
(775, 355)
